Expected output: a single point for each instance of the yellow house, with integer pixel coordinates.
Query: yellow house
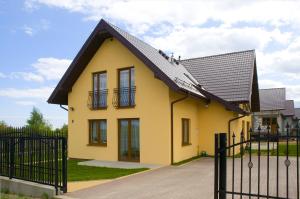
(128, 101)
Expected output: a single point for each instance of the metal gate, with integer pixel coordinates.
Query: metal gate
(34, 156)
(264, 166)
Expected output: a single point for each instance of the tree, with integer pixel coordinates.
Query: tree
(3, 125)
(37, 121)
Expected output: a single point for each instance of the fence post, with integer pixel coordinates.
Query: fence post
(56, 163)
(222, 167)
(216, 185)
(64, 164)
(11, 157)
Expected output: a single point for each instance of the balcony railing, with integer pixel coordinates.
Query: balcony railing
(124, 97)
(97, 99)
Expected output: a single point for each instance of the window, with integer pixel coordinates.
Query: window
(99, 90)
(185, 131)
(269, 121)
(98, 132)
(265, 121)
(126, 91)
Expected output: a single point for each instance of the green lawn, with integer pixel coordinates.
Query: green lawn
(282, 150)
(82, 173)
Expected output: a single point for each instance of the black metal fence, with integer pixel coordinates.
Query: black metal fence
(36, 156)
(265, 166)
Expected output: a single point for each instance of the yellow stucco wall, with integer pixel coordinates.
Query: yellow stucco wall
(185, 109)
(152, 108)
(153, 98)
(213, 118)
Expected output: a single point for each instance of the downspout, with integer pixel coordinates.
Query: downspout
(63, 107)
(229, 129)
(172, 135)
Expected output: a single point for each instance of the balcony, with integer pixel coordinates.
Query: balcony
(124, 97)
(97, 99)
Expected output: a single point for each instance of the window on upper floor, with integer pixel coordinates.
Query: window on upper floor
(98, 96)
(125, 93)
(185, 131)
(98, 132)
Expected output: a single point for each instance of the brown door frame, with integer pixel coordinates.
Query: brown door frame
(129, 156)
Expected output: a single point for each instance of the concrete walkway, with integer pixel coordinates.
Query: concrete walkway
(192, 180)
(78, 185)
(118, 164)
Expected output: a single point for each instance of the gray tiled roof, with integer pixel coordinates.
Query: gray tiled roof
(289, 108)
(297, 113)
(176, 72)
(272, 99)
(228, 76)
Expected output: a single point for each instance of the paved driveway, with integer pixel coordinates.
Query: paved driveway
(193, 180)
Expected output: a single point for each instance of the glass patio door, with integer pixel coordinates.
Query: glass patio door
(129, 140)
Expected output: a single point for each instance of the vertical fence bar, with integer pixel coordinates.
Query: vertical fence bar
(287, 162)
(268, 159)
(11, 157)
(223, 167)
(233, 164)
(250, 164)
(216, 187)
(64, 164)
(258, 163)
(297, 148)
(242, 154)
(56, 164)
(277, 161)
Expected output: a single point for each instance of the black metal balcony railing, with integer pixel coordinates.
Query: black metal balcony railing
(98, 99)
(124, 97)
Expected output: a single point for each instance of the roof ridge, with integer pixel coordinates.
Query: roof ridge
(235, 52)
(127, 32)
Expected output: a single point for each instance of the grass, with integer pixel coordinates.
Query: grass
(83, 173)
(281, 150)
(187, 160)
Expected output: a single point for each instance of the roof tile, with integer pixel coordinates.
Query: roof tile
(228, 76)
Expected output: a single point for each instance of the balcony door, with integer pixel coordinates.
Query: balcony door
(126, 87)
(129, 140)
(99, 90)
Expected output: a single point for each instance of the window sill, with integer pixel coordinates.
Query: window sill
(125, 107)
(100, 108)
(99, 145)
(186, 144)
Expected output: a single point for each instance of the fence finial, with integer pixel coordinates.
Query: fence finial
(287, 125)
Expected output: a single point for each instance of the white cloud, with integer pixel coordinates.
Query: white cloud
(30, 93)
(28, 30)
(284, 61)
(41, 25)
(48, 68)
(2, 75)
(198, 28)
(28, 76)
(51, 68)
(136, 13)
(197, 41)
(26, 103)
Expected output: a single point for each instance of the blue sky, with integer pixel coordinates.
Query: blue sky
(39, 39)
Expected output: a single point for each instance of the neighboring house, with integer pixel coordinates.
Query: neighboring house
(297, 116)
(275, 110)
(128, 101)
